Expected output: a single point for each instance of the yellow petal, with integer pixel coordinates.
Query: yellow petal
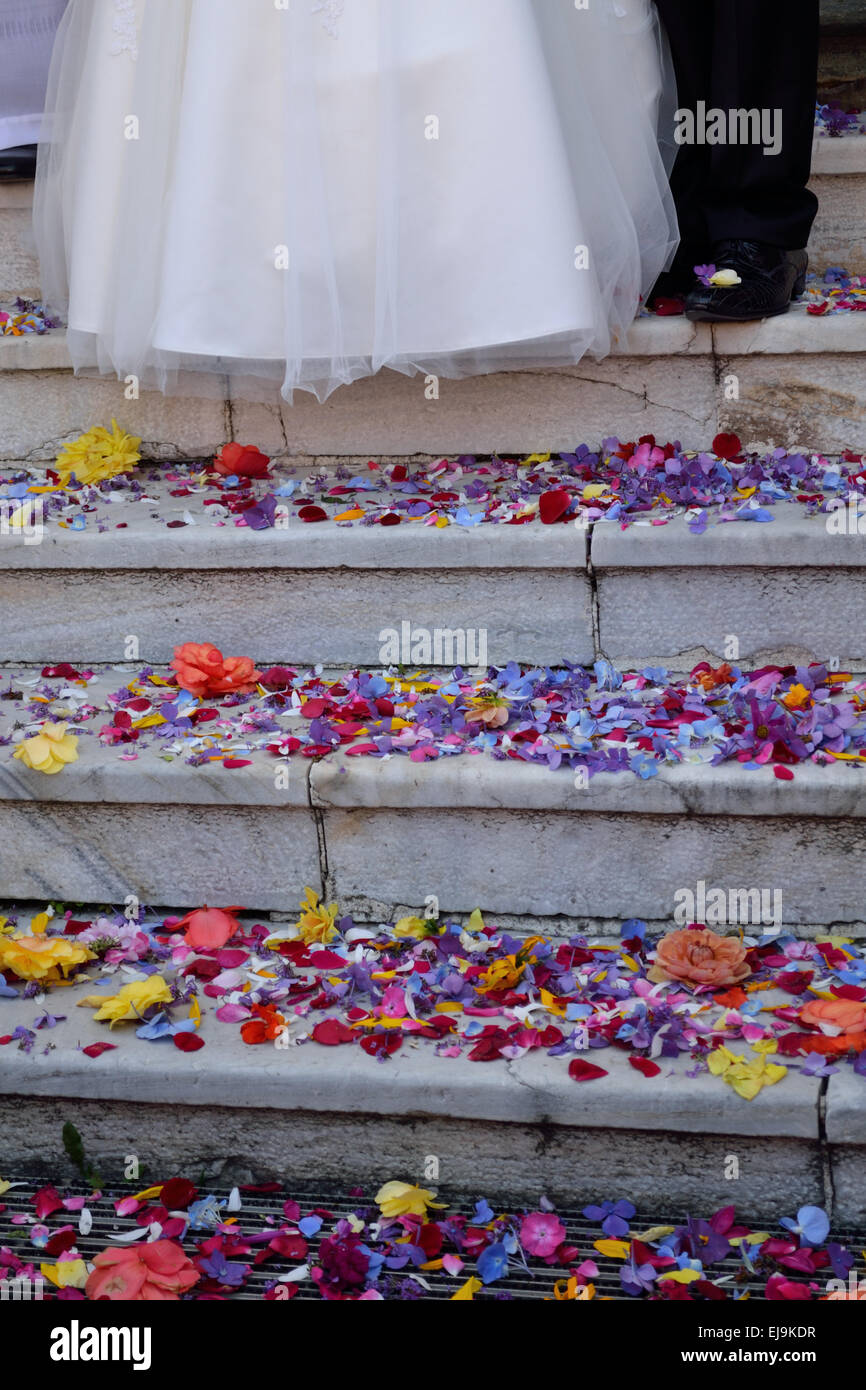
(467, 1291)
(613, 1249)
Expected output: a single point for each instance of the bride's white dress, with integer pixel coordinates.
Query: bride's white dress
(305, 191)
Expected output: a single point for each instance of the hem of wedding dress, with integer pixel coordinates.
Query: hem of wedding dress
(265, 379)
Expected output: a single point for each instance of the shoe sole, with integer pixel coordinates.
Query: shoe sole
(704, 316)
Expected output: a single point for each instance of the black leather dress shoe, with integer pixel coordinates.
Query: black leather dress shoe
(769, 276)
(18, 163)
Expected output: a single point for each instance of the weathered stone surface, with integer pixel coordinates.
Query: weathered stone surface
(508, 412)
(146, 542)
(526, 1126)
(835, 155)
(785, 590)
(536, 1089)
(839, 233)
(510, 837)
(296, 616)
(798, 401)
(775, 615)
(781, 399)
(590, 858)
(841, 68)
(690, 789)
(182, 854)
(685, 1171)
(845, 1113)
(19, 268)
(296, 594)
(846, 1167)
(791, 541)
(39, 410)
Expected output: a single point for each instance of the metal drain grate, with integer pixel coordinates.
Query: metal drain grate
(260, 1210)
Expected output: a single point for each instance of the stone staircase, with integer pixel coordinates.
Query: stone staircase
(528, 845)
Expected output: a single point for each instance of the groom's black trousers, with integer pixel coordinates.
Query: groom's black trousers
(745, 54)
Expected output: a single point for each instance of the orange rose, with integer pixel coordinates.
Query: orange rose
(209, 927)
(835, 1016)
(202, 669)
(156, 1272)
(241, 461)
(700, 958)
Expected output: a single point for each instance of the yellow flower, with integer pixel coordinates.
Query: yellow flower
(66, 1274)
(97, 454)
(746, 1077)
(723, 279)
(798, 697)
(131, 1002)
(413, 926)
(49, 750)
(316, 923)
(41, 957)
(402, 1199)
(502, 974)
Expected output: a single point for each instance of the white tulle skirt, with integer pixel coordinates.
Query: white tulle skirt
(27, 30)
(305, 191)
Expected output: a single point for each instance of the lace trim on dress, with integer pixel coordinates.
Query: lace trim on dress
(126, 29)
(331, 12)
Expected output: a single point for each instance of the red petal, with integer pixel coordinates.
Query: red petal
(553, 505)
(331, 1032)
(313, 709)
(784, 774)
(643, 1064)
(579, 1070)
(188, 1042)
(97, 1049)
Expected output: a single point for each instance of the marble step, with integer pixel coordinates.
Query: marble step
(535, 593)
(534, 846)
(842, 55)
(267, 1109)
(796, 380)
(838, 237)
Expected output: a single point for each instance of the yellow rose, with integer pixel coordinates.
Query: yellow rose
(49, 750)
(45, 958)
(724, 279)
(132, 1001)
